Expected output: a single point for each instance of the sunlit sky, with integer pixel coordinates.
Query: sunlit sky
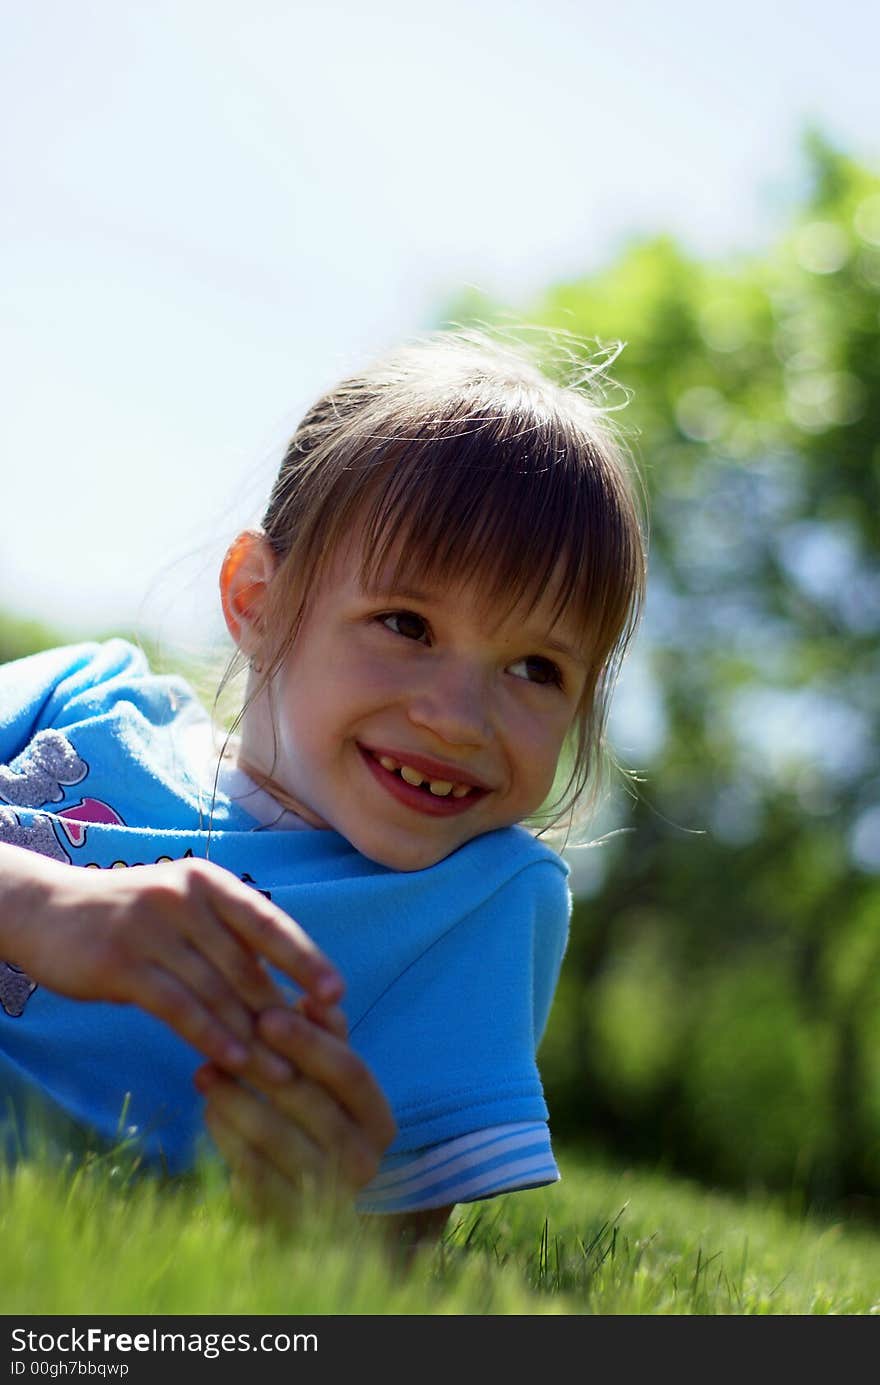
(210, 210)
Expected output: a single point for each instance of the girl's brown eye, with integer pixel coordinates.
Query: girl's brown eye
(405, 623)
(538, 670)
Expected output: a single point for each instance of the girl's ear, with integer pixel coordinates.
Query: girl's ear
(247, 570)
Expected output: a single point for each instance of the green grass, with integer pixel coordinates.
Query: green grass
(92, 1239)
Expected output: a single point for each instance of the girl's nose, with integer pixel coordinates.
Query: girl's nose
(453, 704)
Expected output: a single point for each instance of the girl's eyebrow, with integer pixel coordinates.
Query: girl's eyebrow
(560, 647)
(407, 593)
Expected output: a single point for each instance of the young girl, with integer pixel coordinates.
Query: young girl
(431, 618)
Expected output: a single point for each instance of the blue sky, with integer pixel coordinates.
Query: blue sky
(210, 210)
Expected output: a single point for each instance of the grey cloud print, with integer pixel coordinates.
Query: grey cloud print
(16, 988)
(37, 775)
(35, 835)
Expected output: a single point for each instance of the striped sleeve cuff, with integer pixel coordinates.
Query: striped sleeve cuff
(496, 1160)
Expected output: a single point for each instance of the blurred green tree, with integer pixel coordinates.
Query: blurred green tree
(720, 1007)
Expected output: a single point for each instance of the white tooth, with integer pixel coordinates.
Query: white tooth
(459, 790)
(412, 776)
(441, 787)
(387, 763)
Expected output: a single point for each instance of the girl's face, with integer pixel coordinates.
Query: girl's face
(410, 722)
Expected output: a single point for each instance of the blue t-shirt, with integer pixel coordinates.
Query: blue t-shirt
(449, 971)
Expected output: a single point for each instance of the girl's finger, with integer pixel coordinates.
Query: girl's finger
(255, 1182)
(272, 934)
(265, 1068)
(245, 974)
(329, 1017)
(170, 1000)
(332, 1064)
(184, 991)
(171, 953)
(314, 1111)
(287, 1147)
(211, 992)
(216, 996)
(295, 1111)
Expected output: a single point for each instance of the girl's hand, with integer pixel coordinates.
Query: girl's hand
(184, 940)
(328, 1126)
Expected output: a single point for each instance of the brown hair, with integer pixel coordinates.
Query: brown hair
(458, 448)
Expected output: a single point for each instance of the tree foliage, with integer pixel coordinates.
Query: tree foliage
(720, 1007)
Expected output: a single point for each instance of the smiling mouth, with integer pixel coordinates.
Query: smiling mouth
(412, 787)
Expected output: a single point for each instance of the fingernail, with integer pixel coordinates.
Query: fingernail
(277, 1025)
(234, 1053)
(328, 986)
(276, 1069)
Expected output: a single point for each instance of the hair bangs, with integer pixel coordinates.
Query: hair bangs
(515, 515)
